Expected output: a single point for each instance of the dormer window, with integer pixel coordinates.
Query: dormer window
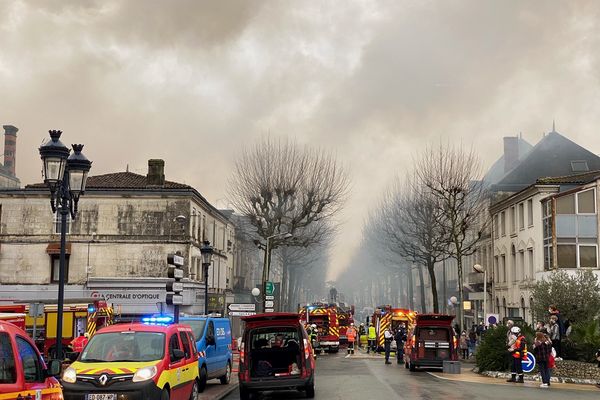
(579, 166)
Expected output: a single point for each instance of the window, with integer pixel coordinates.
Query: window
(503, 267)
(57, 223)
(193, 342)
(513, 262)
(496, 271)
(579, 166)
(496, 227)
(203, 227)
(521, 266)
(186, 345)
(522, 216)
(513, 312)
(588, 256)
(32, 366)
(8, 371)
(547, 234)
(566, 255)
(530, 212)
(503, 223)
(565, 204)
(194, 216)
(530, 265)
(173, 345)
(55, 268)
(586, 202)
(512, 220)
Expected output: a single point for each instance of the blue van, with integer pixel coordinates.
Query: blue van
(213, 340)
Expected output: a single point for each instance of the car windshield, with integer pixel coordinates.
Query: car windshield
(125, 346)
(197, 326)
(274, 337)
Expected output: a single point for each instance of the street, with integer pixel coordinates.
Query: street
(347, 378)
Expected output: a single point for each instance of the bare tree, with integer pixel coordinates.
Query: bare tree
(411, 220)
(282, 187)
(452, 175)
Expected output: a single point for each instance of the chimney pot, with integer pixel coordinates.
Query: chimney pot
(156, 172)
(511, 152)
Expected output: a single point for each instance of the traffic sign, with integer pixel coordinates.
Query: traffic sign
(241, 313)
(174, 299)
(175, 286)
(269, 297)
(269, 310)
(529, 364)
(269, 288)
(269, 304)
(492, 319)
(175, 273)
(175, 259)
(242, 307)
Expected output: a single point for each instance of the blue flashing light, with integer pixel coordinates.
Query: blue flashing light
(158, 320)
(311, 308)
(91, 309)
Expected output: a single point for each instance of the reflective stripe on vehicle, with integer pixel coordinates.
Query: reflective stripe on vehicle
(23, 393)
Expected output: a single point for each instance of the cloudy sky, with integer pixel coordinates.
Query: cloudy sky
(374, 81)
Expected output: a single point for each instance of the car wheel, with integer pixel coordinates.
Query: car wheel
(164, 395)
(244, 394)
(310, 391)
(194, 394)
(202, 378)
(225, 379)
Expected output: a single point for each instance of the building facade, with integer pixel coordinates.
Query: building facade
(117, 246)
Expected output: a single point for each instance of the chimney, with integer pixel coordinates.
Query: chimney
(10, 148)
(511, 152)
(156, 173)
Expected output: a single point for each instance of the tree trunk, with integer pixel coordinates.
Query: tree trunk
(411, 293)
(434, 293)
(422, 289)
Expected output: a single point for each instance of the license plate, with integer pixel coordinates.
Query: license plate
(101, 396)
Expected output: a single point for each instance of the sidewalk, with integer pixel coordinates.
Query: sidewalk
(467, 375)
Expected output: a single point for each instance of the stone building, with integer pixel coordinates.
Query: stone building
(117, 246)
(8, 178)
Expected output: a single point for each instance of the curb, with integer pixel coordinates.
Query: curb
(536, 377)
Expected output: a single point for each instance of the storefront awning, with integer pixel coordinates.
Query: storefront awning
(54, 248)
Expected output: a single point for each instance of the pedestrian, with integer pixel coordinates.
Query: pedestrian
(554, 334)
(372, 337)
(554, 312)
(400, 338)
(361, 333)
(518, 351)
(540, 326)
(542, 349)
(464, 345)
(351, 335)
(472, 340)
(388, 336)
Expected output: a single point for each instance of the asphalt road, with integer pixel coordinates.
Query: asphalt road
(367, 379)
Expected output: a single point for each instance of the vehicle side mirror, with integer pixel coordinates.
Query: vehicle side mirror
(178, 354)
(54, 368)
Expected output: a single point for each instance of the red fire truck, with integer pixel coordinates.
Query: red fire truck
(386, 316)
(324, 316)
(79, 316)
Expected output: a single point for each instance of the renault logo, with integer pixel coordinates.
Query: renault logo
(103, 379)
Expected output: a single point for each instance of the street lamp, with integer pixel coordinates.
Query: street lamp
(267, 266)
(66, 177)
(206, 251)
(482, 270)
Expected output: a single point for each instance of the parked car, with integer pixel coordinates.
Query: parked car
(431, 342)
(275, 354)
(139, 361)
(213, 342)
(23, 373)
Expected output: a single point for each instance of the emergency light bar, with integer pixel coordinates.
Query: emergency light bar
(157, 320)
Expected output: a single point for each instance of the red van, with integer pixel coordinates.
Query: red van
(23, 373)
(432, 342)
(275, 354)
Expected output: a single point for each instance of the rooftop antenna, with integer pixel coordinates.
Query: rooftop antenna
(127, 168)
(553, 126)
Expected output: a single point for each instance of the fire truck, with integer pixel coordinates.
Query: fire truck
(14, 318)
(325, 317)
(79, 316)
(345, 316)
(386, 316)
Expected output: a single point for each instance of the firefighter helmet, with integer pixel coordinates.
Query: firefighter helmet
(313, 326)
(516, 330)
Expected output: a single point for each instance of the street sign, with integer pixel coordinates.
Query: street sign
(269, 310)
(492, 319)
(174, 299)
(269, 288)
(529, 364)
(269, 297)
(242, 307)
(36, 309)
(241, 313)
(175, 273)
(175, 259)
(175, 286)
(269, 304)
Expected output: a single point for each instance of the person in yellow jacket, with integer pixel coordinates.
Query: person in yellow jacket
(372, 338)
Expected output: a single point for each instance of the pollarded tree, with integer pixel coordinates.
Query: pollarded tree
(282, 187)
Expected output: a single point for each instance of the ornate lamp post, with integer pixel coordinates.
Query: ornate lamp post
(207, 251)
(66, 176)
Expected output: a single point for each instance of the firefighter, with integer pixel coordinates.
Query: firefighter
(388, 336)
(79, 342)
(312, 333)
(351, 334)
(372, 338)
(518, 350)
(361, 332)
